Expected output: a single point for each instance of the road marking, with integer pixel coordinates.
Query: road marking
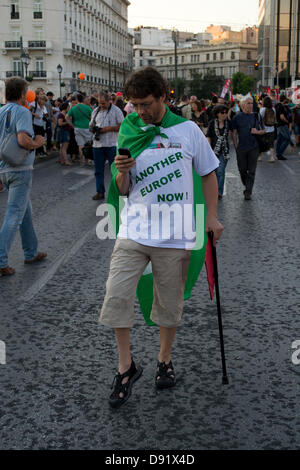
(81, 183)
(285, 165)
(45, 278)
(2, 353)
(227, 176)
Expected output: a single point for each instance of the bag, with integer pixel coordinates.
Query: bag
(269, 117)
(262, 140)
(11, 152)
(87, 151)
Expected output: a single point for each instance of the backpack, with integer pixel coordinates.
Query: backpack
(269, 117)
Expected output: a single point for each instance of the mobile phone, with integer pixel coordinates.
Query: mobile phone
(124, 151)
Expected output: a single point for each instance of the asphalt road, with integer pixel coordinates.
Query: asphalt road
(60, 363)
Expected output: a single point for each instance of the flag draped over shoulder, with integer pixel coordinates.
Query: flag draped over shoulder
(137, 137)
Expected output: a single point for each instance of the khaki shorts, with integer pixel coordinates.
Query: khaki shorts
(128, 262)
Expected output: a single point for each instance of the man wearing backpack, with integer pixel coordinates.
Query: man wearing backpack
(268, 115)
(283, 131)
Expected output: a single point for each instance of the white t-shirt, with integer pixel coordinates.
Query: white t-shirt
(110, 117)
(268, 128)
(40, 111)
(159, 210)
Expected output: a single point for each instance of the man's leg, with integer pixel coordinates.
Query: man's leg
(99, 162)
(19, 185)
(28, 235)
(167, 336)
(123, 342)
(252, 158)
(242, 165)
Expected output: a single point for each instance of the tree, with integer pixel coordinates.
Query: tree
(204, 85)
(242, 83)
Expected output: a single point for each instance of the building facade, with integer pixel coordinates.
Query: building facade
(279, 42)
(83, 36)
(223, 59)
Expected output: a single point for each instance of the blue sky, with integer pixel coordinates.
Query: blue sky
(193, 15)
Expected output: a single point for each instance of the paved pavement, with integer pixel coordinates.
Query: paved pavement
(60, 363)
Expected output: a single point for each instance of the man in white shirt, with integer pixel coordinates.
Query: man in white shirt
(40, 116)
(161, 171)
(105, 123)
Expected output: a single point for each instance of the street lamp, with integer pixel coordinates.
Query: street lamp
(59, 70)
(25, 60)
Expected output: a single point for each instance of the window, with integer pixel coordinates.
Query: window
(222, 55)
(215, 56)
(182, 59)
(151, 53)
(15, 33)
(249, 55)
(207, 56)
(170, 60)
(14, 10)
(17, 66)
(161, 61)
(233, 55)
(141, 53)
(38, 34)
(141, 63)
(39, 64)
(37, 9)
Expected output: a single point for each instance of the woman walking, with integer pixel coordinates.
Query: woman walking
(218, 136)
(268, 115)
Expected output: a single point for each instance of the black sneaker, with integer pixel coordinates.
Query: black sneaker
(134, 374)
(281, 157)
(165, 375)
(247, 195)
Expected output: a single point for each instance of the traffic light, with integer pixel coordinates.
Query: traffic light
(256, 65)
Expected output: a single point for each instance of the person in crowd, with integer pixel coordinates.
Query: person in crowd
(49, 123)
(170, 258)
(18, 180)
(210, 108)
(198, 115)
(218, 134)
(113, 98)
(40, 117)
(296, 123)
(121, 105)
(81, 114)
(268, 115)
(129, 108)
(245, 129)
(105, 124)
(283, 131)
(185, 108)
(64, 128)
(193, 98)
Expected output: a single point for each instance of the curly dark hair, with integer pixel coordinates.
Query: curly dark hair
(145, 82)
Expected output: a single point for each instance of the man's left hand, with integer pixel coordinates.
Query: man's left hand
(213, 225)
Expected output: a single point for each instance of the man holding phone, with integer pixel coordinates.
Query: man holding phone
(165, 149)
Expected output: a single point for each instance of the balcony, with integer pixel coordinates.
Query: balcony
(37, 15)
(15, 15)
(12, 44)
(14, 73)
(38, 73)
(37, 44)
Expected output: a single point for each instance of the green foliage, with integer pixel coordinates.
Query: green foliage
(242, 83)
(204, 85)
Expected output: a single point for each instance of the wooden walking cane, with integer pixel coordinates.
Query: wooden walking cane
(216, 279)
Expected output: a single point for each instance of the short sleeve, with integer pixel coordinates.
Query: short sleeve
(24, 121)
(70, 113)
(204, 159)
(119, 116)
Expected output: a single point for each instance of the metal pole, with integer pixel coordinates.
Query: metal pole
(109, 74)
(21, 48)
(60, 85)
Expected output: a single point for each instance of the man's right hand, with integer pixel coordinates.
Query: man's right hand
(39, 141)
(124, 164)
